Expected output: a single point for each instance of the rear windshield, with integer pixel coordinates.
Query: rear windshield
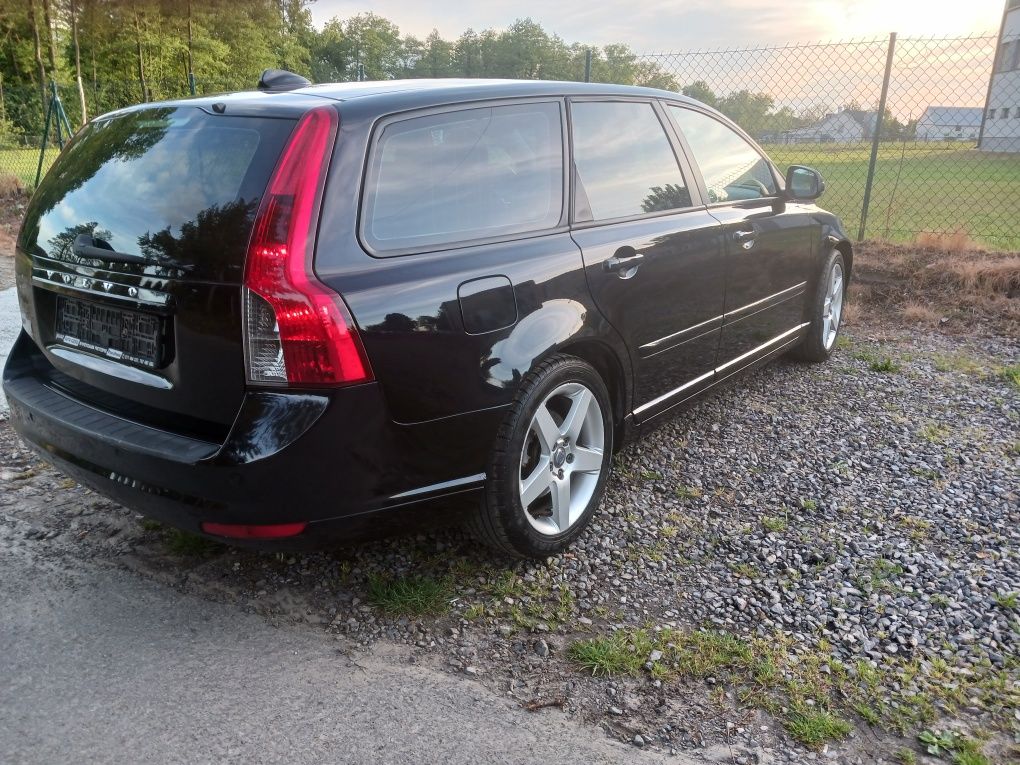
(170, 184)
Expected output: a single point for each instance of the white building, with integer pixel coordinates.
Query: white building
(1002, 112)
(847, 126)
(949, 123)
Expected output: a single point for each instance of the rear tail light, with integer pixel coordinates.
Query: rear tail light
(257, 531)
(297, 330)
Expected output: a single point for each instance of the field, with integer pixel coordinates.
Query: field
(919, 187)
(22, 163)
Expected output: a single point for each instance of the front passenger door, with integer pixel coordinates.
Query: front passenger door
(768, 245)
(653, 257)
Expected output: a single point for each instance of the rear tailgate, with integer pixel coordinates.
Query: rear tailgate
(131, 257)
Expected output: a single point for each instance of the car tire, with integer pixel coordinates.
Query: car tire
(826, 311)
(548, 468)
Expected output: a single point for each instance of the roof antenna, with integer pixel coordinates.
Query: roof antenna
(280, 81)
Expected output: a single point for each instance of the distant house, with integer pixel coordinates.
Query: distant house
(949, 123)
(847, 126)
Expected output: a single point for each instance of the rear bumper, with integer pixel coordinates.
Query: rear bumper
(332, 459)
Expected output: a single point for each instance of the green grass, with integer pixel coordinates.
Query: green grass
(985, 201)
(885, 365)
(1011, 375)
(772, 523)
(183, 543)
(1008, 600)
(410, 595)
(813, 727)
(22, 163)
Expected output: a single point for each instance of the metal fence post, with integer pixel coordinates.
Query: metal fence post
(587, 65)
(877, 136)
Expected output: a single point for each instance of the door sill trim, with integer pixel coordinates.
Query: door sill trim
(756, 351)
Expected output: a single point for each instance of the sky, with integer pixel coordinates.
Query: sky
(672, 25)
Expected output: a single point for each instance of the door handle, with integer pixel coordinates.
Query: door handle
(745, 238)
(623, 263)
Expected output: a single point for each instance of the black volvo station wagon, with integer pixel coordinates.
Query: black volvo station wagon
(292, 316)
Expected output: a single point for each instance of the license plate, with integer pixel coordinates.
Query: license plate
(128, 336)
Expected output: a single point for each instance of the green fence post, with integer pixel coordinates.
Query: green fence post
(877, 136)
(45, 138)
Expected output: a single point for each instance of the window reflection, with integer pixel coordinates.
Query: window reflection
(465, 175)
(624, 160)
(731, 166)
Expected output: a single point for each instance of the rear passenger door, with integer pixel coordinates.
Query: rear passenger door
(768, 243)
(653, 256)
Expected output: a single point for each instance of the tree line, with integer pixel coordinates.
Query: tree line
(105, 54)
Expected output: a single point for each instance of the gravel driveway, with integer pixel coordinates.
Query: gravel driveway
(818, 559)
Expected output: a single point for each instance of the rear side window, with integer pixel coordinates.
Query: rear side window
(624, 161)
(731, 166)
(458, 176)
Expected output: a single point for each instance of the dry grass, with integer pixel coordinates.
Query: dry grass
(10, 185)
(952, 241)
(933, 284)
(919, 313)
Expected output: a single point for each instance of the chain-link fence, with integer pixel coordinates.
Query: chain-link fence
(915, 137)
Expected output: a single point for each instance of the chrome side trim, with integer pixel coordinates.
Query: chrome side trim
(777, 296)
(665, 396)
(758, 349)
(442, 485)
(781, 294)
(694, 327)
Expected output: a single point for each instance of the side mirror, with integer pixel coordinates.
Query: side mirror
(803, 183)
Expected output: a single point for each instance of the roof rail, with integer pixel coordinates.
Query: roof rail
(280, 81)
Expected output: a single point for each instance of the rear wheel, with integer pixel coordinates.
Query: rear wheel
(826, 311)
(550, 462)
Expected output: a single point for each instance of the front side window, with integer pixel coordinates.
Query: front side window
(624, 160)
(732, 168)
(459, 176)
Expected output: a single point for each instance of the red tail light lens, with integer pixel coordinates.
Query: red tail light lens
(297, 330)
(248, 531)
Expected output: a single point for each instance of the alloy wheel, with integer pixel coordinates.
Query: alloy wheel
(562, 458)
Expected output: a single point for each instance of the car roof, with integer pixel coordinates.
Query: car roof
(386, 95)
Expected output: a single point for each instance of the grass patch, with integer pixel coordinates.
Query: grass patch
(961, 749)
(958, 362)
(651, 475)
(884, 365)
(774, 523)
(1011, 375)
(148, 524)
(905, 756)
(901, 201)
(187, 544)
(813, 727)
(812, 693)
(1008, 600)
(410, 595)
(933, 432)
(927, 473)
(689, 492)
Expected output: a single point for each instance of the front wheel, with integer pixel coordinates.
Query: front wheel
(550, 462)
(826, 313)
